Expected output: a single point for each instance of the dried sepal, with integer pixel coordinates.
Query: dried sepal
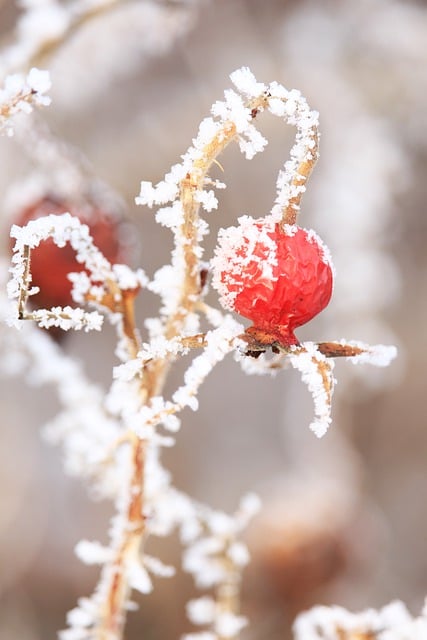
(317, 373)
(315, 363)
(379, 355)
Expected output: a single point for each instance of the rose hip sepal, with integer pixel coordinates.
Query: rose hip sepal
(279, 277)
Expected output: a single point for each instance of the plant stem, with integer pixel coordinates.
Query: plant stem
(23, 292)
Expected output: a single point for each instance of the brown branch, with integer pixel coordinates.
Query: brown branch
(112, 621)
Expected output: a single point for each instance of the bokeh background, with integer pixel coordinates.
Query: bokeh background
(344, 518)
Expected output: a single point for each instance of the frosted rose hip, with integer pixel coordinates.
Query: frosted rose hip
(278, 278)
(50, 264)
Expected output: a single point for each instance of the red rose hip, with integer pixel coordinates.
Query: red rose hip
(50, 265)
(279, 278)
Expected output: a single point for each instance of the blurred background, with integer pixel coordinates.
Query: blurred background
(344, 518)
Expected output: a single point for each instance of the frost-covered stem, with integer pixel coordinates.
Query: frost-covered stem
(187, 242)
(189, 187)
(6, 110)
(117, 588)
(228, 595)
(129, 325)
(302, 174)
(123, 302)
(23, 293)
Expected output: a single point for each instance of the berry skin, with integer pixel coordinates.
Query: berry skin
(50, 264)
(279, 278)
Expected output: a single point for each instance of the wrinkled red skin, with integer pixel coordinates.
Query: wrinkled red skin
(303, 287)
(50, 264)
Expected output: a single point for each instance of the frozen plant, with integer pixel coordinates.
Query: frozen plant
(268, 270)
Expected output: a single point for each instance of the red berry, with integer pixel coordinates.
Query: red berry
(280, 278)
(50, 264)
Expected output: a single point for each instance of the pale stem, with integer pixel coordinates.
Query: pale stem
(228, 595)
(302, 174)
(112, 623)
(7, 110)
(23, 291)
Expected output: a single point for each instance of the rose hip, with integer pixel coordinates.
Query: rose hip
(277, 277)
(50, 264)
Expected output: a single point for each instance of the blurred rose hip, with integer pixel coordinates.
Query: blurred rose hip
(50, 264)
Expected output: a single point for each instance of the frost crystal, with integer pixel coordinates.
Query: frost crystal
(228, 625)
(92, 552)
(202, 610)
(245, 81)
(238, 249)
(139, 578)
(379, 355)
